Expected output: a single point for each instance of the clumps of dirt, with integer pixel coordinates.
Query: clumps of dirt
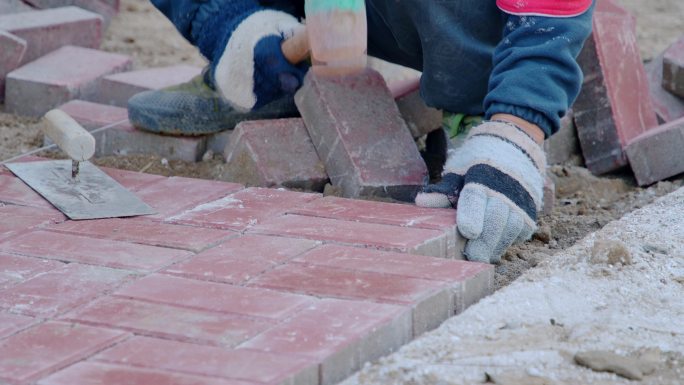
(211, 168)
(18, 135)
(584, 204)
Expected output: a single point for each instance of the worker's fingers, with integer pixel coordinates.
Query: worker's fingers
(470, 213)
(432, 200)
(482, 248)
(510, 234)
(443, 194)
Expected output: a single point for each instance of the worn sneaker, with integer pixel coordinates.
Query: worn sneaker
(196, 108)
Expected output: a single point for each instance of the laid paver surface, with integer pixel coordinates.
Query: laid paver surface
(224, 285)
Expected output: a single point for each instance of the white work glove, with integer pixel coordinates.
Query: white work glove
(495, 182)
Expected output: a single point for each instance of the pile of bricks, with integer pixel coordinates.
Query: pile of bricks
(626, 113)
(50, 58)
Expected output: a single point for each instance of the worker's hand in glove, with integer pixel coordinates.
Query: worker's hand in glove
(495, 181)
(250, 69)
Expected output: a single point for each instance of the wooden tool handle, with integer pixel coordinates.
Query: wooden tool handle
(73, 139)
(296, 49)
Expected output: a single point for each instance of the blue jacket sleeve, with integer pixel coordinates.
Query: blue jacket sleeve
(203, 22)
(535, 75)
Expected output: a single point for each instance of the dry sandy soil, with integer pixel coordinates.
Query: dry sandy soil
(584, 203)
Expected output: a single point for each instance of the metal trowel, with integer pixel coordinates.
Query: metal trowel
(76, 187)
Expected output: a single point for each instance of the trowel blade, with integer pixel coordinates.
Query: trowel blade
(91, 195)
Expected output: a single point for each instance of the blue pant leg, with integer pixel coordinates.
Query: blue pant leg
(181, 13)
(451, 41)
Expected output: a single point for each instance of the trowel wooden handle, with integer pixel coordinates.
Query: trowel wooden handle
(296, 49)
(70, 136)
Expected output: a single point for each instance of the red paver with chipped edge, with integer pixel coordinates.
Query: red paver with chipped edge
(339, 335)
(240, 259)
(657, 154)
(217, 297)
(64, 74)
(15, 220)
(241, 364)
(45, 348)
(118, 88)
(15, 269)
(147, 233)
(274, 153)
(101, 252)
(13, 323)
(388, 214)
(47, 30)
(108, 374)
(175, 195)
(170, 322)
(60, 290)
(13, 190)
(372, 235)
(244, 209)
(470, 281)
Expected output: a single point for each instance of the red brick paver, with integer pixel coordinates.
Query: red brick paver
(241, 259)
(100, 373)
(12, 323)
(146, 233)
(49, 29)
(274, 153)
(244, 209)
(357, 130)
(18, 219)
(44, 348)
(210, 296)
(240, 364)
(173, 196)
(15, 269)
(65, 74)
(171, 322)
(388, 214)
(60, 290)
(12, 50)
(377, 236)
(339, 335)
(101, 252)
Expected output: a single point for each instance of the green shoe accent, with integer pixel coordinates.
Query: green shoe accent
(196, 108)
